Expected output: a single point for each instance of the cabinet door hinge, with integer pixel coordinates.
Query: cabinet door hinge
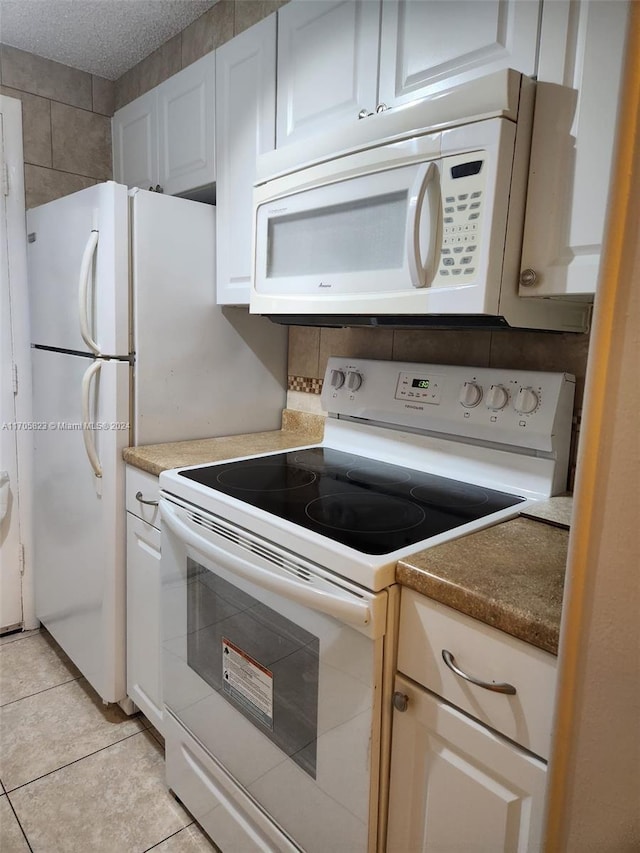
(21, 559)
(5, 179)
(14, 377)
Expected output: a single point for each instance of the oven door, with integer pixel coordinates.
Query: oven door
(272, 682)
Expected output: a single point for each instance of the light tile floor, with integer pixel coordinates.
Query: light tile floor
(77, 776)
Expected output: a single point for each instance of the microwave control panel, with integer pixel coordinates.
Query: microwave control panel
(463, 191)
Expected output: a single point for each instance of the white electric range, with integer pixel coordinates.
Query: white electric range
(279, 594)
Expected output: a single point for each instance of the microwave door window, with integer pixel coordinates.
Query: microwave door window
(355, 236)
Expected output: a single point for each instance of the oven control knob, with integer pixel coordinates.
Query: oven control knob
(470, 395)
(497, 398)
(337, 379)
(526, 401)
(354, 380)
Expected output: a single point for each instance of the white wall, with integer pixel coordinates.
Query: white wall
(16, 592)
(595, 767)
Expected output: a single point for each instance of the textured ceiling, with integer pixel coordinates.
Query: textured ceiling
(104, 37)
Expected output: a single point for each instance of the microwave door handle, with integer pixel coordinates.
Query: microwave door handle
(422, 198)
(350, 610)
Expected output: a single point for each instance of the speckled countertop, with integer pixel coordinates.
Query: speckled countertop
(510, 576)
(554, 510)
(298, 429)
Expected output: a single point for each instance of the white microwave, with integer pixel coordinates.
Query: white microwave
(410, 218)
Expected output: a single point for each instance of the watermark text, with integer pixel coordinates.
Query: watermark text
(63, 426)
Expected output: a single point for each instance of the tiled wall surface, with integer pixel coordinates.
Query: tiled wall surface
(220, 24)
(66, 123)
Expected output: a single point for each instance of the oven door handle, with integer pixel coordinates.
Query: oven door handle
(345, 607)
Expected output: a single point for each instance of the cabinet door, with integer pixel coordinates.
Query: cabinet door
(327, 65)
(245, 128)
(143, 618)
(432, 45)
(134, 130)
(186, 128)
(456, 785)
(572, 145)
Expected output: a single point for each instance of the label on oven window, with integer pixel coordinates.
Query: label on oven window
(247, 682)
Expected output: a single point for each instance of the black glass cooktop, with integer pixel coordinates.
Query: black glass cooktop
(371, 506)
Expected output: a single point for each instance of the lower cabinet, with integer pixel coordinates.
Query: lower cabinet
(472, 719)
(456, 785)
(144, 680)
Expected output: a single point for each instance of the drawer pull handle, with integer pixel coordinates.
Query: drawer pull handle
(143, 501)
(450, 661)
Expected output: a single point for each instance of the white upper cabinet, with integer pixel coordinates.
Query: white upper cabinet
(165, 138)
(581, 54)
(432, 45)
(135, 142)
(341, 59)
(327, 64)
(186, 146)
(245, 127)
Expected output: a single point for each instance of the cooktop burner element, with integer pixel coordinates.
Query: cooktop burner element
(319, 459)
(265, 478)
(458, 495)
(373, 507)
(365, 513)
(372, 476)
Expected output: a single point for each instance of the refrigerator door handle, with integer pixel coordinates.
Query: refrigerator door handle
(87, 432)
(83, 288)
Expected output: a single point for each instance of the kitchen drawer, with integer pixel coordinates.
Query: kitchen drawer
(427, 627)
(148, 486)
(226, 812)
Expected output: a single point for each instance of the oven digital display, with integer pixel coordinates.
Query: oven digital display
(420, 383)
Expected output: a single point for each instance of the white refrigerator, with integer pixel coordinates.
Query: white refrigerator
(128, 347)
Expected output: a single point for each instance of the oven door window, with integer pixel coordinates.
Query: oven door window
(259, 661)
